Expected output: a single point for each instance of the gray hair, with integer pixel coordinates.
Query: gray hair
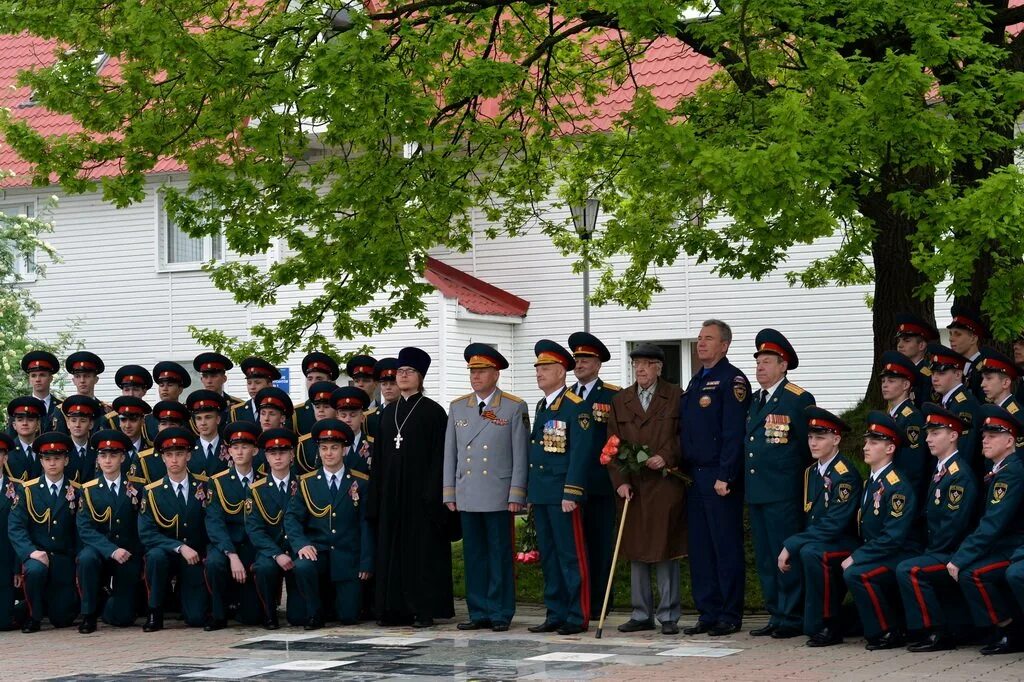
(723, 328)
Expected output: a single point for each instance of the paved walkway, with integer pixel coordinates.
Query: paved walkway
(443, 653)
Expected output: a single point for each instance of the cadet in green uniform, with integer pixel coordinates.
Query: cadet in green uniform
(79, 414)
(351, 404)
(316, 366)
(930, 596)
(40, 366)
(170, 379)
(999, 375)
(327, 529)
(213, 374)
(108, 528)
(913, 334)
(980, 564)
(776, 457)
(209, 454)
(560, 445)
(384, 372)
(133, 380)
(173, 532)
(84, 368)
(307, 457)
(42, 530)
(832, 490)
(130, 412)
(886, 523)
(232, 553)
(360, 368)
(966, 332)
(259, 374)
(898, 377)
(264, 522)
(947, 380)
(24, 414)
(166, 414)
(10, 615)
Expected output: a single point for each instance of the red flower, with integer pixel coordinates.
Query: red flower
(606, 458)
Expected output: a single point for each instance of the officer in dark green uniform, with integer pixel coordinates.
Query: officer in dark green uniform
(361, 370)
(79, 414)
(930, 596)
(886, 523)
(948, 382)
(560, 447)
(173, 532)
(170, 379)
(231, 553)
(213, 373)
(307, 456)
(351, 404)
(42, 530)
(980, 564)
(166, 414)
(24, 414)
(259, 374)
(316, 366)
(384, 373)
(966, 333)
(209, 453)
(108, 527)
(84, 368)
(264, 522)
(913, 334)
(327, 529)
(832, 490)
(898, 377)
(10, 615)
(776, 438)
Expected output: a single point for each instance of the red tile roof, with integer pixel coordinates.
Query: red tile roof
(475, 295)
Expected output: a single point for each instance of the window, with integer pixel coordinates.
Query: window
(677, 368)
(178, 250)
(24, 266)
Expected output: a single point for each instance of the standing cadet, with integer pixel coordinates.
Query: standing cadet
(485, 464)
(599, 513)
(264, 522)
(42, 530)
(947, 380)
(129, 413)
(966, 332)
(84, 368)
(170, 379)
(898, 377)
(209, 453)
(108, 527)
(316, 366)
(326, 526)
(231, 553)
(776, 457)
(361, 370)
(930, 596)
(831, 496)
(173, 532)
(307, 457)
(711, 428)
(384, 373)
(560, 444)
(998, 378)
(79, 414)
(213, 374)
(350, 404)
(40, 366)
(980, 564)
(166, 414)
(10, 618)
(259, 374)
(24, 414)
(913, 334)
(886, 523)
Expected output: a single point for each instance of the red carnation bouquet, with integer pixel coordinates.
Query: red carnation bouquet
(631, 458)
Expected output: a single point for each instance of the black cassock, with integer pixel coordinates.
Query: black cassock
(414, 528)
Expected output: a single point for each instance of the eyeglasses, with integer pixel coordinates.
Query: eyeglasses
(405, 370)
(644, 364)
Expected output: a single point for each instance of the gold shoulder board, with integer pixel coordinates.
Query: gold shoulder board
(794, 389)
(892, 478)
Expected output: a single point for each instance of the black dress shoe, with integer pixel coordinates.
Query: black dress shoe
(215, 624)
(722, 629)
(698, 628)
(314, 623)
(785, 632)
(546, 626)
(1005, 644)
(272, 623)
(636, 625)
(154, 622)
(571, 629)
(936, 641)
(890, 640)
(765, 631)
(499, 627)
(426, 623)
(825, 637)
(474, 625)
(669, 628)
(31, 626)
(88, 625)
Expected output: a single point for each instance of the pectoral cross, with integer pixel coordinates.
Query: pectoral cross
(398, 441)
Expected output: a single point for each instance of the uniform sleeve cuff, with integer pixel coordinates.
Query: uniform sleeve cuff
(572, 493)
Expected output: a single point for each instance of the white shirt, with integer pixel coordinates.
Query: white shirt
(487, 400)
(47, 400)
(279, 481)
(175, 484)
(946, 397)
(246, 477)
(771, 389)
(49, 484)
(551, 397)
(206, 445)
(25, 447)
(996, 466)
(337, 476)
(824, 464)
(116, 481)
(942, 463)
(971, 362)
(137, 445)
(586, 388)
(356, 437)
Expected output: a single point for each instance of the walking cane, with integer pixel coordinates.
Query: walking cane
(611, 573)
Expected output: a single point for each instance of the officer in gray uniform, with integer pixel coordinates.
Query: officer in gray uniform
(485, 470)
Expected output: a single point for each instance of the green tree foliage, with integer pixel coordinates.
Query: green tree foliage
(362, 139)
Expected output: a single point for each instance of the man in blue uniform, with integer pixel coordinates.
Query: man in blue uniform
(560, 445)
(24, 415)
(711, 429)
(316, 366)
(948, 382)
(259, 374)
(913, 334)
(209, 453)
(898, 377)
(776, 456)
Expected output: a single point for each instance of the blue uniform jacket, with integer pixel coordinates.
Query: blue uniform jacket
(711, 421)
(560, 446)
(599, 403)
(950, 506)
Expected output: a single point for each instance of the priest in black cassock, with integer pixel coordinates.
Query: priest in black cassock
(414, 527)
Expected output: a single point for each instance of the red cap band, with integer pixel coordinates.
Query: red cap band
(327, 434)
(362, 369)
(243, 436)
(909, 328)
(81, 408)
(278, 443)
(83, 365)
(321, 397)
(969, 324)
(212, 367)
(388, 373)
(945, 422)
(30, 410)
(259, 373)
(883, 431)
(110, 445)
(348, 402)
(130, 409)
(824, 424)
(893, 368)
(174, 443)
(318, 366)
(271, 401)
(133, 379)
(204, 404)
(170, 414)
(39, 364)
(169, 374)
(769, 347)
(53, 447)
(1001, 423)
(996, 365)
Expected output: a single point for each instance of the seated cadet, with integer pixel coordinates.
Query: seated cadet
(886, 522)
(80, 413)
(307, 456)
(170, 379)
(10, 570)
(108, 527)
(24, 414)
(362, 370)
(130, 411)
(264, 521)
(948, 382)
(167, 413)
(384, 372)
(84, 368)
(259, 374)
(209, 454)
(173, 532)
(929, 593)
(998, 378)
(316, 366)
(231, 553)
(327, 529)
(898, 378)
(352, 404)
(42, 530)
(980, 564)
(832, 489)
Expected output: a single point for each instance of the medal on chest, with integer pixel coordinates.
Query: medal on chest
(601, 412)
(776, 428)
(554, 438)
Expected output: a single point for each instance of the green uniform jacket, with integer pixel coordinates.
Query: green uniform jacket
(963, 404)
(166, 524)
(912, 458)
(599, 403)
(830, 505)
(107, 523)
(225, 512)
(776, 445)
(1001, 528)
(40, 521)
(560, 444)
(950, 507)
(264, 516)
(886, 518)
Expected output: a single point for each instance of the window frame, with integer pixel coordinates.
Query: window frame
(163, 262)
(25, 273)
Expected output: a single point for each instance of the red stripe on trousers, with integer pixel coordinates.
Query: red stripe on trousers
(581, 559)
(866, 578)
(981, 587)
(931, 568)
(827, 606)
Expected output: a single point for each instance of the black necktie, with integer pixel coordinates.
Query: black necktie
(281, 486)
(209, 451)
(245, 483)
(181, 493)
(113, 488)
(53, 490)
(334, 484)
(763, 399)
(480, 407)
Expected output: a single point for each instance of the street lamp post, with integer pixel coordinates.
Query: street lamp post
(584, 219)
